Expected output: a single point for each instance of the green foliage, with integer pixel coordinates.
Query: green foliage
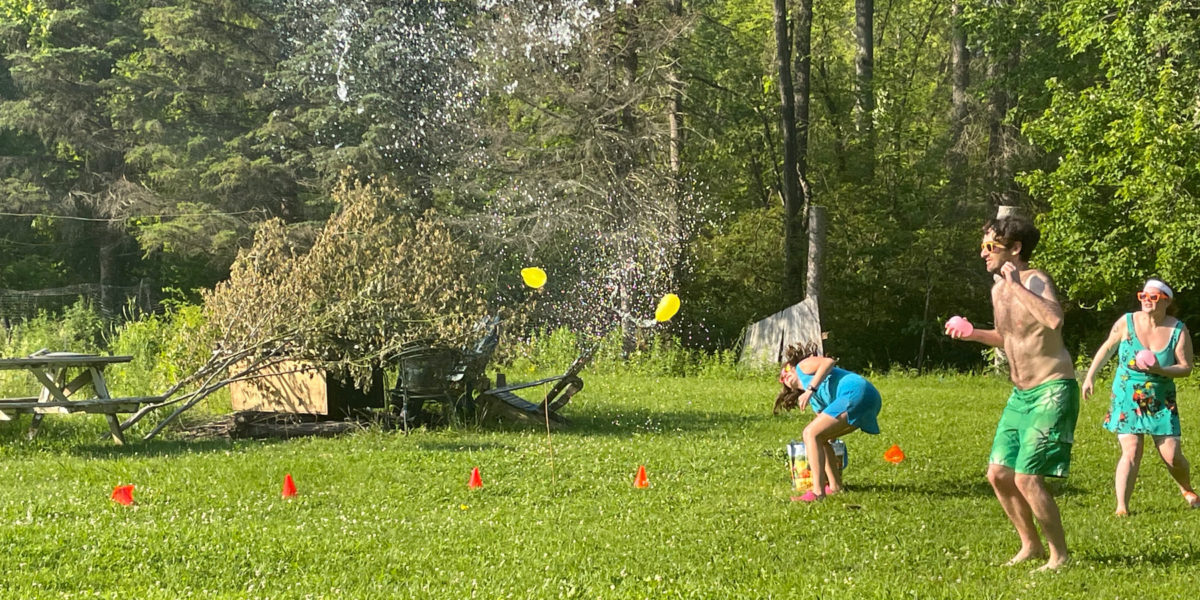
(383, 88)
(373, 282)
(27, 18)
(1126, 190)
(189, 101)
(743, 255)
(166, 348)
(171, 131)
(79, 328)
(895, 271)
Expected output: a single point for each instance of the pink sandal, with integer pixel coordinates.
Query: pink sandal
(1192, 499)
(809, 496)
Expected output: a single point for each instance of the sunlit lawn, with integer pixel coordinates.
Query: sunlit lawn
(384, 515)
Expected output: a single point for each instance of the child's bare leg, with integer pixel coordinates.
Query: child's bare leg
(816, 439)
(833, 468)
(816, 453)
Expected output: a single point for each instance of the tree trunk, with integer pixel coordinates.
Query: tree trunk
(1001, 135)
(107, 269)
(960, 64)
(675, 114)
(924, 322)
(792, 250)
(816, 253)
(629, 63)
(864, 93)
(802, 46)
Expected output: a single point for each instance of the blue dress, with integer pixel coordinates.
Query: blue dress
(846, 392)
(1143, 402)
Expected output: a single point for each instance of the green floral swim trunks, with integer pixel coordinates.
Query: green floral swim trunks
(1036, 431)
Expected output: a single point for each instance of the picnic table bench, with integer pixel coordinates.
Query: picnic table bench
(54, 370)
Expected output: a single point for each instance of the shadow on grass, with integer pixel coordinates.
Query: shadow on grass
(456, 447)
(90, 438)
(134, 447)
(623, 422)
(957, 488)
(1159, 557)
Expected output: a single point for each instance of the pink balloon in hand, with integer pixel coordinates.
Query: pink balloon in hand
(1145, 359)
(960, 326)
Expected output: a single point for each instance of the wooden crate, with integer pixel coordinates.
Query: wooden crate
(303, 388)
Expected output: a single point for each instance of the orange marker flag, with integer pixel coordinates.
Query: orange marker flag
(123, 494)
(289, 486)
(476, 481)
(894, 454)
(640, 481)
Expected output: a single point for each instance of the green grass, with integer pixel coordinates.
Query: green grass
(384, 515)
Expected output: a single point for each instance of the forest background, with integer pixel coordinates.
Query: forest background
(630, 147)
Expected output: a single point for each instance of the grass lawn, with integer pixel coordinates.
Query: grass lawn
(384, 515)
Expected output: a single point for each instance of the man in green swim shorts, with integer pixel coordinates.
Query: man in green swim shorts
(1035, 433)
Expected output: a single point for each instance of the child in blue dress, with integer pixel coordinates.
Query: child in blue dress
(844, 402)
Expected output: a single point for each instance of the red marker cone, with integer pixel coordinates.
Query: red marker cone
(289, 486)
(640, 481)
(123, 494)
(894, 454)
(476, 481)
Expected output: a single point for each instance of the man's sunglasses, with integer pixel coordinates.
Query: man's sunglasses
(1150, 296)
(990, 246)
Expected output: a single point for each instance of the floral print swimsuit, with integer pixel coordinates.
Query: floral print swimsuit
(1143, 402)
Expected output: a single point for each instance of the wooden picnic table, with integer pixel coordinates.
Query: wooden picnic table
(54, 370)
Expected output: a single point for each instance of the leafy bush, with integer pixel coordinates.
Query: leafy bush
(165, 348)
(372, 282)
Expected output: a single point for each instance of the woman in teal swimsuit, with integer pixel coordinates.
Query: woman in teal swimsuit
(844, 401)
(1143, 389)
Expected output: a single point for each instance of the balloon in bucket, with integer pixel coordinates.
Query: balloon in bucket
(960, 326)
(534, 277)
(1145, 359)
(667, 307)
(798, 468)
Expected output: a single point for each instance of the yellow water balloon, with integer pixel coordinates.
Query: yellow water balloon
(667, 307)
(534, 277)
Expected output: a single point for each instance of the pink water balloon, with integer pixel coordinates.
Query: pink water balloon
(960, 326)
(1145, 359)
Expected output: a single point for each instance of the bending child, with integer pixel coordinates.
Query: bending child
(844, 402)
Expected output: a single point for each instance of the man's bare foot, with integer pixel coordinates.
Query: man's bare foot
(1054, 564)
(1024, 555)
(1121, 512)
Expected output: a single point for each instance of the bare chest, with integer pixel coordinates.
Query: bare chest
(1010, 316)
